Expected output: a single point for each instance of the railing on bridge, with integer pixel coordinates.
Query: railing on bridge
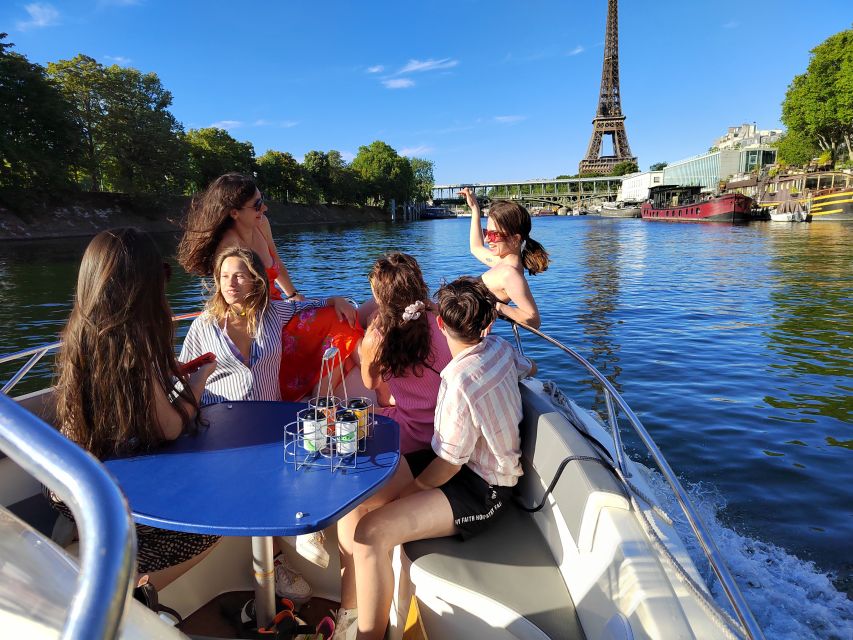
(564, 191)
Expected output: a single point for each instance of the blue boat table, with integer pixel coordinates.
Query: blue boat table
(231, 479)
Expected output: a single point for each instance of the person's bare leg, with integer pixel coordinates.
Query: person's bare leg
(161, 579)
(426, 514)
(347, 526)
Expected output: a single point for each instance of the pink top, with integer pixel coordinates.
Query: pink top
(416, 396)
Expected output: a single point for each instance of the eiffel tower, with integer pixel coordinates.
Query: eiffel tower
(608, 119)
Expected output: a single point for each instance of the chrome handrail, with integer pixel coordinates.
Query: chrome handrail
(732, 591)
(107, 535)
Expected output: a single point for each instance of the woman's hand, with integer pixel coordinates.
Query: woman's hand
(470, 198)
(344, 310)
(200, 375)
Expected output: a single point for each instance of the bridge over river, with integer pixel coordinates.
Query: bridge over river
(567, 192)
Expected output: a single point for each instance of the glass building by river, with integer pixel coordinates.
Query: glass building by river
(706, 170)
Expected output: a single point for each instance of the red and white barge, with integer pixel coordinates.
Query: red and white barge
(668, 202)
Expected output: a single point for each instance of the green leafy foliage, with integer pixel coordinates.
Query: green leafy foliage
(86, 126)
(818, 106)
(386, 174)
(212, 151)
(624, 168)
(39, 140)
(658, 166)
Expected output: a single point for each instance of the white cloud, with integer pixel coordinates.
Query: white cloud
(420, 150)
(347, 156)
(731, 24)
(398, 83)
(121, 60)
(287, 124)
(428, 65)
(378, 68)
(578, 49)
(509, 119)
(261, 123)
(227, 124)
(41, 15)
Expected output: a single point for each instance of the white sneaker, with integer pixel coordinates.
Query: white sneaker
(346, 624)
(312, 547)
(288, 583)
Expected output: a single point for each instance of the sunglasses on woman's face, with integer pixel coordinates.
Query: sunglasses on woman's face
(256, 205)
(492, 236)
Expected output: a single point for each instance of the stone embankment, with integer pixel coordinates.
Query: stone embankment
(87, 214)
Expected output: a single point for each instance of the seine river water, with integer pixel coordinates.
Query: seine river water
(733, 344)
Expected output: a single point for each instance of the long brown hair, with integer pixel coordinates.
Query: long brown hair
(256, 301)
(118, 347)
(406, 344)
(512, 218)
(208, 218)
(467, 308)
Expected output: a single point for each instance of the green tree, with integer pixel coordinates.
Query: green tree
(422, 171)
(625, 167)
(212, 152)
(386, 174)
(795, 148)
(317, 176)
(278, 175)
(143, 141)
(81, 80)
(818, 104)
(658, 166)
(39, 139)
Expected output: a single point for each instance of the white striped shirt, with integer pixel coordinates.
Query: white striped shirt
(233, 380)
(479, 409)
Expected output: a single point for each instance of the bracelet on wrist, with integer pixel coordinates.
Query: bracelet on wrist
(293, 295)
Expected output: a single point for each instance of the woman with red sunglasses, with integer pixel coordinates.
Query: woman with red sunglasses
(508, 250)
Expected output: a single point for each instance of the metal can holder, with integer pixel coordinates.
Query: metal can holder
(332, 431)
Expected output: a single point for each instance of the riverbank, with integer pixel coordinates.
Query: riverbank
(88, 213)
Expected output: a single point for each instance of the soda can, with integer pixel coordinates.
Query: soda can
(361, 408)
(346, 428)
(315, 428)
(328, 406)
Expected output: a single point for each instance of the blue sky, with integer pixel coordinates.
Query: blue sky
(488, 90)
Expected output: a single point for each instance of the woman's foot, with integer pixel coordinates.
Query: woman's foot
(346, 624)
(288, 583)
(312, 547)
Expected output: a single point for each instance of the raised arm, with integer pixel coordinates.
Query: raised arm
(525, 309)
(283, 279)
(475, 239)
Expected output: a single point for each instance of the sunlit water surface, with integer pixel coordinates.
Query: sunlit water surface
(731, 343)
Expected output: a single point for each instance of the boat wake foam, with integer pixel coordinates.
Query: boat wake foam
(789, 597)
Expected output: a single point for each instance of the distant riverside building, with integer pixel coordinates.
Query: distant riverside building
(740, 151)
(747, 135)
(635, 187)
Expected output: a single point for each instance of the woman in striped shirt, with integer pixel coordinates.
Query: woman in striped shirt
(242, 326)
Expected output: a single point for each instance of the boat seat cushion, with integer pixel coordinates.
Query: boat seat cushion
(510, 563)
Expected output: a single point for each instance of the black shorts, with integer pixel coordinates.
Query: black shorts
(476, 504)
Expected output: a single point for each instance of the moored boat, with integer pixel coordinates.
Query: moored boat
(832, 205)
(436, 213)
(790, 211)
(620, 210)
(669, 202)
(585, 554)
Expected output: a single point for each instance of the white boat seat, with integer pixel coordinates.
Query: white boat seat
(509, 564)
